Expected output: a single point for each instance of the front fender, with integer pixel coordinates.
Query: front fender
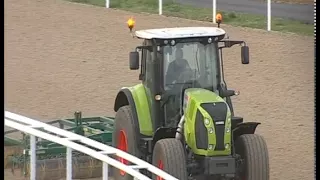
(163, 133)
(244, 128)
(137, 99)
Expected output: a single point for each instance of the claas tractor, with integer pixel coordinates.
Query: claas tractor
(180, 117)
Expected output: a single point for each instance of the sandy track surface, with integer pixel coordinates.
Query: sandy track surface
(61, 57)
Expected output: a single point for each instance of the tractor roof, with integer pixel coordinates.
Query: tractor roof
(179, 32)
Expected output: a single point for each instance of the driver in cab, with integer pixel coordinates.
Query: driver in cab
(176, 67)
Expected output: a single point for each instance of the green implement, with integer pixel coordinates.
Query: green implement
(51, 157)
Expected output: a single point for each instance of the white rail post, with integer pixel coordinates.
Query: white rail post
(107, 3)
(69, 164)
(315, 18)
(160, 7)
(214, 10)
(105, 173)
(269, 15)
(33, 157)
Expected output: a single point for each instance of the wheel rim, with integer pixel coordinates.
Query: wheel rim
(122, 145)
(160, 166)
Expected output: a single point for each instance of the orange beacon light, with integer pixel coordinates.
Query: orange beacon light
(218, 19)
(131, 23)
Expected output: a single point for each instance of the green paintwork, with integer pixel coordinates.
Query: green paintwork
(143, 111)
(8, 141)
(195, 97)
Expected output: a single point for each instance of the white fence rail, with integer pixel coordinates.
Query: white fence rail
(214, 11)
(31, 126)
(269, 15)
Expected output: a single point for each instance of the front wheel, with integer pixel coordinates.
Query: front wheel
(254, 152)
(169, 156)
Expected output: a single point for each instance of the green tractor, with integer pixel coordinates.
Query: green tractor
(180, 117)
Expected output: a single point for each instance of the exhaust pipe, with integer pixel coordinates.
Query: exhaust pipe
(180, 128)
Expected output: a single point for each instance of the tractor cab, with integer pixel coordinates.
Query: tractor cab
(175, 59)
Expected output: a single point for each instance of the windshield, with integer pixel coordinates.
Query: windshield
(191, 63)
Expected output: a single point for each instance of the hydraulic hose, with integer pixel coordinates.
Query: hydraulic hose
(180, 128)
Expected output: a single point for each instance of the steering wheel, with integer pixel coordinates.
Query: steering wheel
(186, 80)
(185, 76)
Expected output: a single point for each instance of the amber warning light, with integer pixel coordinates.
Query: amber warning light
(219, 19)
(130, 23)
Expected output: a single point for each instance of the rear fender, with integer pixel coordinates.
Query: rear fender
(244, 128)
(137, 99)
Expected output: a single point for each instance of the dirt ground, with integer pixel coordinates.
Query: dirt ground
(61, 57)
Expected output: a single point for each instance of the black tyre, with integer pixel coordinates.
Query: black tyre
(169, 155)
(253, 150)
(125, 137)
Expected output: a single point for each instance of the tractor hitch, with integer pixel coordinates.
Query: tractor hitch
(219, 165)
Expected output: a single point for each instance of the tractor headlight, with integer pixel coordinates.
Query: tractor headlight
(227, 146)
(157, 97)
(228, 120)
(211, 146)
(211, 130)
(206, 121)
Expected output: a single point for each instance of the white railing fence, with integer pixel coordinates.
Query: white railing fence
(269, 15)
(31, 127)
(214, 11)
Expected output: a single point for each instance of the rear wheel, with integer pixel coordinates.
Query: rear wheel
(169, 155)
(253, 150)
(125, 138)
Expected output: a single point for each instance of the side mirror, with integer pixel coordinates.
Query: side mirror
(245, 55)
(228, 93)
(134, 60)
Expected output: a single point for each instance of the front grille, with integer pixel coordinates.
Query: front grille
(218, 112)
(201, 132)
